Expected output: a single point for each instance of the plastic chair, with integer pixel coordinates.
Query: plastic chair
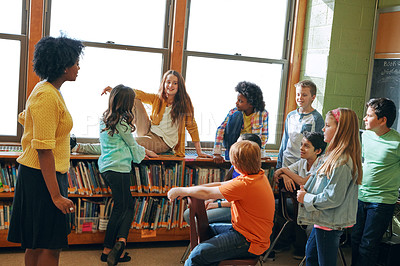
(200, 231)
(283, 196)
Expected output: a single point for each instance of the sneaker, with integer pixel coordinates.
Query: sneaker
(298, 254)
(115, 254)
(280, 249)
(125, 258)
(271, 256)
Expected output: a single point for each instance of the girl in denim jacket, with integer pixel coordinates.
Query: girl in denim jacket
(329, 198)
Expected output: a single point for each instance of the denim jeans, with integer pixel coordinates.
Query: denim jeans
(322, 247)
(226, 244)
(372, 221)
(217, 215)
(122, 213)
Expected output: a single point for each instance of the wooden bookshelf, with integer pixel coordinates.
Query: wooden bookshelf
(135, 235)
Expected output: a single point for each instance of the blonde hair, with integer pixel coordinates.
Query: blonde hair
(346, 141)
(245, 156)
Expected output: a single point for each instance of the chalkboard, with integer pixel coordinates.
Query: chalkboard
(386, 83)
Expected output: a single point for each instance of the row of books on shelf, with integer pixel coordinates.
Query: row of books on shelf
(148, 213)
(8, 177)
(84, 177)
(5, 214)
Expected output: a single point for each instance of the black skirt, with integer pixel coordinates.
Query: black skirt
(35, 221)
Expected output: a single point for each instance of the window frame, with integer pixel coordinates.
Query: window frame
(284, 61)
(165, 51)
(23, 39)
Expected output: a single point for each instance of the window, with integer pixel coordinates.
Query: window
(13, 47)
(229, 41)
(126, 43)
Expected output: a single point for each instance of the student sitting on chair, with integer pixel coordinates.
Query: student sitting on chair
(252, 209)
(218, 211)
(312, 146)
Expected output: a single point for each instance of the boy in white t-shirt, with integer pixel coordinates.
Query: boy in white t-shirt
(312, 146)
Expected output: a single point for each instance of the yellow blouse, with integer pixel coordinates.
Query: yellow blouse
(47, 124)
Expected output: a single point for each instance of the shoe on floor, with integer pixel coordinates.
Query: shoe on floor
(125, 258)
(271, 256)
(298, 254)
(280, 249)
(115, 253)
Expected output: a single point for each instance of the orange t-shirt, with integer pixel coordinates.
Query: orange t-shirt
(253, 207)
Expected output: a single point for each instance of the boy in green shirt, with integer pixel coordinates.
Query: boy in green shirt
(378, 192)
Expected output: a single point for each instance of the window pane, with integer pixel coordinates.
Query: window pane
(213, 91)
(10, 16)
(9, 67)
(138, 22)
(107, 67)
(250, 28)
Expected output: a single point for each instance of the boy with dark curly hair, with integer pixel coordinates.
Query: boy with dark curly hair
(249, 116)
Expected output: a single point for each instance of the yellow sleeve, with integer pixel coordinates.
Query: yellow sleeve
(191, 126)
(147, 98)
(21, 118)
(45, 117)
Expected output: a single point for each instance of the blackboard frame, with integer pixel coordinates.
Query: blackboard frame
(384, 71)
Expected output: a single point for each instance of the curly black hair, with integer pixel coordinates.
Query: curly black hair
(53, 55)
(252, 93)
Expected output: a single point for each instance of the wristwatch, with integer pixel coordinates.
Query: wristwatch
(219, 203)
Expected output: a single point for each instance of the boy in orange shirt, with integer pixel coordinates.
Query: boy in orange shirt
(252, 209)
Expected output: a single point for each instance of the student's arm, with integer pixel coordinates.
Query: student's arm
(199, 152)
(205, 191)
(283, 146)
(219, 137)
(289, 183)
(295, 177)
(264, 135)
(191, 126)
(138, 152)
(47, 166)
(87, 148)
(333, 194)
(319, 122)
(200, 192)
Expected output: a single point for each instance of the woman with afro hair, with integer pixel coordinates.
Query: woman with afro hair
(40, 214)
(249, 116)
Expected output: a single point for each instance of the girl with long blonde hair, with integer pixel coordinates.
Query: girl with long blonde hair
(329, 198)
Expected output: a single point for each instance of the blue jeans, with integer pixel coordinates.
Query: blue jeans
(372, 221)
(122, 213)
(226, 244)
(322, 247)
(217, 215)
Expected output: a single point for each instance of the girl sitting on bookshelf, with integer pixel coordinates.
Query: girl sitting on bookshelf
(118, 150)
(172, 112)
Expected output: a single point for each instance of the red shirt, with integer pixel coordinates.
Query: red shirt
(253, 207)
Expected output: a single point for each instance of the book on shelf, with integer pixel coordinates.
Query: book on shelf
(1, 215)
